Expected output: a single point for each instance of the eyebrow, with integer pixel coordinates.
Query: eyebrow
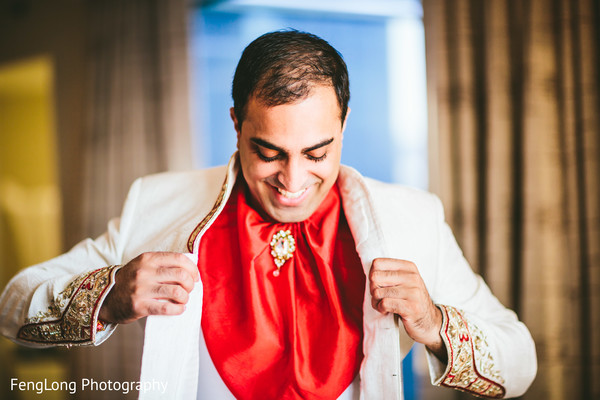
(271, 146)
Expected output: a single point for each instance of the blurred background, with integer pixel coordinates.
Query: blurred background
(492, 105)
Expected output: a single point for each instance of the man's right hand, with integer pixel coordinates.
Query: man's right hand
(156, 283)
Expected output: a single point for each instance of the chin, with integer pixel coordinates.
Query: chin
(289, 216)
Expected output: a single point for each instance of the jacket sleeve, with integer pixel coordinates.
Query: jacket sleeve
(490, 352)
(58, 301)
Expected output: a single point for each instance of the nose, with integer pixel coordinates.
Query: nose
(293, 175)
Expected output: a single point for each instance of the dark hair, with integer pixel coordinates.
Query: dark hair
(281, 67)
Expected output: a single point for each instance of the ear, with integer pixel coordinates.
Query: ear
(236, 125)
(345, 121)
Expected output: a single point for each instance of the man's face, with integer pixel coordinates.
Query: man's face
(290, 154)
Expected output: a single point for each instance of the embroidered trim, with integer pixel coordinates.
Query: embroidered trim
(58, 305)
(471, 366)
(71, 316)
(208, 216)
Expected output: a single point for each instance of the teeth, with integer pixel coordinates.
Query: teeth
(291, 195)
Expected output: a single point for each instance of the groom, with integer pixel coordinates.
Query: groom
(304, 279)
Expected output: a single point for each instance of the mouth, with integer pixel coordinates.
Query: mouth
(285, 198)
(291, 195)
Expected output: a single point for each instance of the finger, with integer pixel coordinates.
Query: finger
(405, 308)
(175, 275)
(386, 278)
(387, 305)
(393, 292)
(170, 259)
(164, 308)
(191, 266)
(406, 293)
(172, 293)
(392, 264)
(399, 300)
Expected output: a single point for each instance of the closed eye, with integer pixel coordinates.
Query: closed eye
(266, 154)
(265, 158)
(318, 152)
(316, 158)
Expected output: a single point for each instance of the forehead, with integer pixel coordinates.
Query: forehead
(314, 116)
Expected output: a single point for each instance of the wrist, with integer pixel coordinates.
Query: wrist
(107, 308)
(104, 315)
(436, 345)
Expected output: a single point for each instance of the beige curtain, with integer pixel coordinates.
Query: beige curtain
(138, 123)
(515, 155)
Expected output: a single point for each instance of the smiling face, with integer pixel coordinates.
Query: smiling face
(290, 154)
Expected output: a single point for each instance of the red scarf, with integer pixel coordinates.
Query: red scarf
(296, 335)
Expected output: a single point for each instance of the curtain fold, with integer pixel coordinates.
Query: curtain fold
(138, 112)
(137, 116)
(514, 110)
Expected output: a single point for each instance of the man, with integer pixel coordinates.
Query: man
(306, 280)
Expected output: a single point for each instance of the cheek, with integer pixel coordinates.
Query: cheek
(259, 171)
(326, 170)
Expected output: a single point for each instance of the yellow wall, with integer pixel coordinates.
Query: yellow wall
(29, 194)
(56, 29)
(27, 140)
(30, 207)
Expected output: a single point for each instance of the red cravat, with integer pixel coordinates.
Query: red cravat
(297, 335)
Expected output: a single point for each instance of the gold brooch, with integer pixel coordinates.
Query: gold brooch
(282, 247)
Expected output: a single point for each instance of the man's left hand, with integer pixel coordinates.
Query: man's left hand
(397, 287)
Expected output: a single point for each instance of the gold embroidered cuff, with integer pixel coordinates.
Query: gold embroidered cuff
(471, 366)
(72, 317)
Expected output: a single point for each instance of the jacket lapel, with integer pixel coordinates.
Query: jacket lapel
(171, 343)
(380, 373)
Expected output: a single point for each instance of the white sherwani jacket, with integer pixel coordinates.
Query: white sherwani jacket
(490, 353)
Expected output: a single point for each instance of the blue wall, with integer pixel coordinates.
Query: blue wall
(218, 41)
